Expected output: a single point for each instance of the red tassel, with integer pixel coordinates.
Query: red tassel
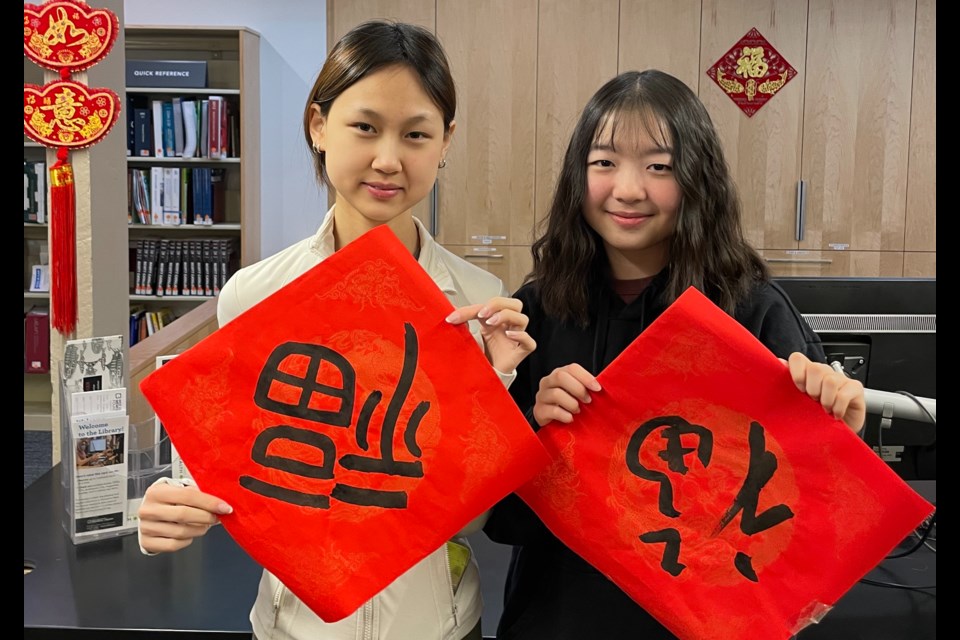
(63, 246)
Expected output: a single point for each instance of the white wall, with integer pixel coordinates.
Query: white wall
(293, 44)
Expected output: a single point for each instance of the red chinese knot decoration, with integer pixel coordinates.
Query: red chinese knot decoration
(66, 36)
(751, 72)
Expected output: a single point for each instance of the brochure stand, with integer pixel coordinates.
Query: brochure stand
(101, 497)
(107, 463)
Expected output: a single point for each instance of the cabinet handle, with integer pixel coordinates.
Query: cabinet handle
(801, 208)
(435, 209)
(799, 260)
(477, 256)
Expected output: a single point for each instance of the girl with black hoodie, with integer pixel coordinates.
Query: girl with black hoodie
(644, 208)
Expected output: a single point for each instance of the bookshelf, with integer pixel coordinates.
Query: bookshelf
(37, 387)
(231, 55)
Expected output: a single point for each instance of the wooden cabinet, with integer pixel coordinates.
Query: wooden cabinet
(656, 35)
(838, 133)
(486, 190)
(568, 73)
(856, 127)
(232, 65)
(920, 233)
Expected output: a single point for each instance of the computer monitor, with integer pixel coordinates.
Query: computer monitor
(883, 331)
(98, 445)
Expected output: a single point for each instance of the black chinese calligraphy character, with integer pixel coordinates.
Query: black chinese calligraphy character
(673, 454)
(304, 436)
(670, 560)
(307, 385)
(763, 464)
(387, 463)
(305, 408)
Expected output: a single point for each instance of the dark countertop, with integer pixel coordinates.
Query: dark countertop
(108, 589)
(109, 585)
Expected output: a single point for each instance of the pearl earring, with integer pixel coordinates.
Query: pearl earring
(443, 163)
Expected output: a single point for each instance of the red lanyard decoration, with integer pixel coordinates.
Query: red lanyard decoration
(66, 36)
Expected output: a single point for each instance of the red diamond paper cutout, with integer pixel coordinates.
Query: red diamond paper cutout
(751, 72)
(351, 428)
(716, 513)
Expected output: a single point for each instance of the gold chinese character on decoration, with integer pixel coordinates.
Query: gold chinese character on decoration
(67, 34)
(66, 113)
(751, 72)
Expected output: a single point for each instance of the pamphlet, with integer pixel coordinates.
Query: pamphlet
(100, 482)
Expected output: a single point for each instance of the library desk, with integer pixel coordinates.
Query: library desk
(108, 589)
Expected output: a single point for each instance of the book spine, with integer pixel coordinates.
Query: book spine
(218, 195)
(178, 133)
(162, 255)
(224, 128)
(204, 129)
(169, 134)
(157, 119)
(189, 108)
(131, 125)
(143, 142)
(40, 168)
(29, 192)
(171, 196)
(36, 341)
(156, 195)
(213, 128)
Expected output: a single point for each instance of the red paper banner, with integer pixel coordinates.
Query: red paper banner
(728, 503)
(350, 426)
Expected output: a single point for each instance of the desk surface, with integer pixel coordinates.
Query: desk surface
(109, 588)
(110, 585)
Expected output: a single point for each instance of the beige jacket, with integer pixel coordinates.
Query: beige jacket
(420, 604)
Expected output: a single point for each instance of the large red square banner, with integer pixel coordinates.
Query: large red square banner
(352, 429)
(711, 490)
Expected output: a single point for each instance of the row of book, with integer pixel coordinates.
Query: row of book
(176, 195)
(34, 191)
(146, 322)
(194, 267)
(182, 128)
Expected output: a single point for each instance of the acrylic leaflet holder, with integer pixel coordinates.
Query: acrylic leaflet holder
(107, 464)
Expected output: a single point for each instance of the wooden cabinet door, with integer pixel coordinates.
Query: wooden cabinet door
(763, 151)
(486, 188)
(577, 53)
(509, 263)
(921, 220)
(343, 15)
(856, 123)
(652, 36)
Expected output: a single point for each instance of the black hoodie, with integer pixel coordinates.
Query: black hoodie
(551, 593)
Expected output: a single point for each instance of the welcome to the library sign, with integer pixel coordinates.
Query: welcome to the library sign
(66, 36)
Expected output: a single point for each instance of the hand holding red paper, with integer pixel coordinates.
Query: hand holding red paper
(350, 426)
(729, 504)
